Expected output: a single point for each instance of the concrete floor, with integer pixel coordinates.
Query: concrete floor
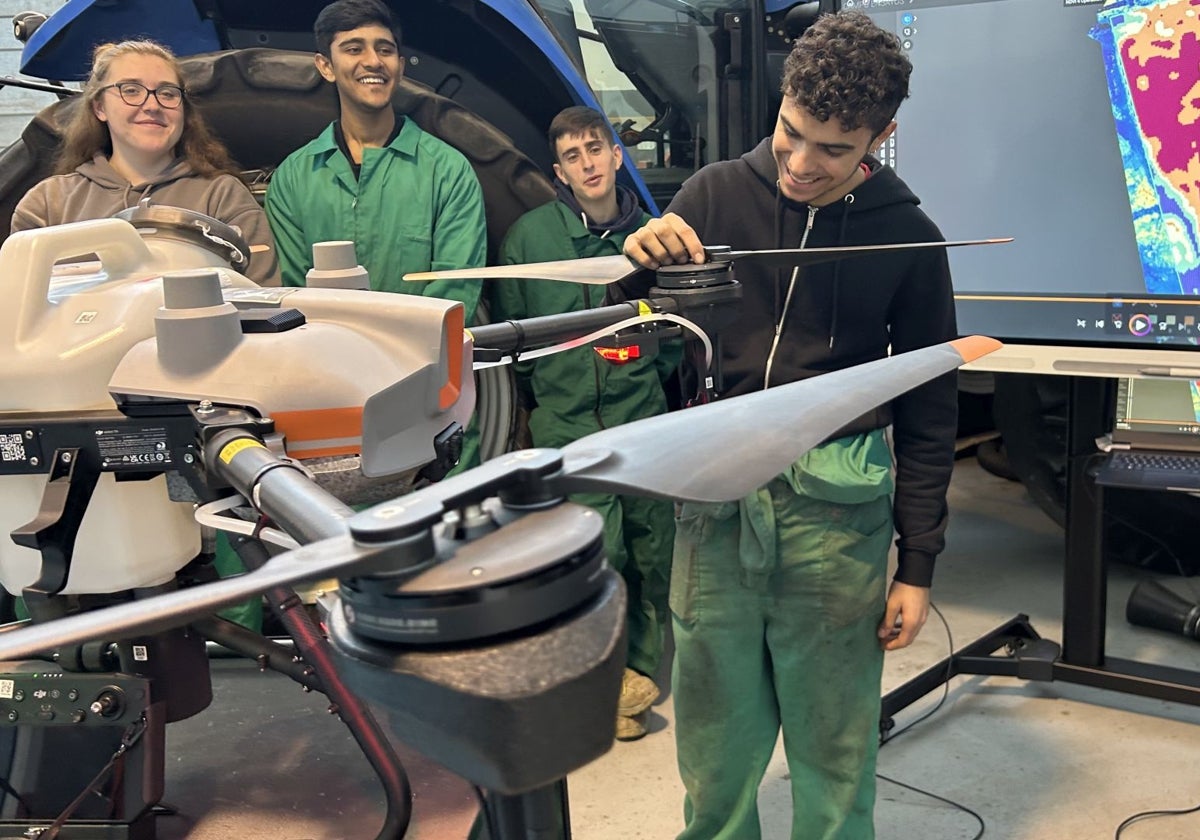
(1037, 761)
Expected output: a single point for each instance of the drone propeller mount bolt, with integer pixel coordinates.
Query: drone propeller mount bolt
(718, 253)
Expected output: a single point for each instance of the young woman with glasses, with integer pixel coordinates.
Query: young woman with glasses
(134, 136)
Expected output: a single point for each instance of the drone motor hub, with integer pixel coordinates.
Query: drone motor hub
(524, 570)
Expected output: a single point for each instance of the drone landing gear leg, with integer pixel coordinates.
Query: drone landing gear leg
(318, 665)
(540, 814)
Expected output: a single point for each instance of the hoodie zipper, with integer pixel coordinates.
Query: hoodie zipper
(812, 215)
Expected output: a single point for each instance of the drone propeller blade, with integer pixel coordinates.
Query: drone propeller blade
(594, 271)
(791, 257)
(600, 271)
(724, 450)
(315, 561)
(745, 442)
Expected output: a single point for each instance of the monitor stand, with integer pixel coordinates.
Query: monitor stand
(1015, 648)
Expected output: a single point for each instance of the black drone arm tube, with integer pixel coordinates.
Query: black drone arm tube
(517, 336)
(276, 486)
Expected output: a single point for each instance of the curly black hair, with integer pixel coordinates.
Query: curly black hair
(846, 67)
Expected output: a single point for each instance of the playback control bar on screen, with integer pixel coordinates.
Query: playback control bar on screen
(1145, 319)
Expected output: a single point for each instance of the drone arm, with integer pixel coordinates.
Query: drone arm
(276, 486)
(515, 337)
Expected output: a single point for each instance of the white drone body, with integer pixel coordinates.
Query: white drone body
(367, 375)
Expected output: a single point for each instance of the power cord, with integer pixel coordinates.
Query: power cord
(963, 808)
(889, 736)
(1145, 815)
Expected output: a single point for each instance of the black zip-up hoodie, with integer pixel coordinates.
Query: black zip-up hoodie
(841, 314)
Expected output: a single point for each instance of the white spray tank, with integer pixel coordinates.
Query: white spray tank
(60, 341)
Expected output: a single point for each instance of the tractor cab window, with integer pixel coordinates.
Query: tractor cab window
(674, 77)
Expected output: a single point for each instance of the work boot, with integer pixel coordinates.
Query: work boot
(638, 692)
(631, 727)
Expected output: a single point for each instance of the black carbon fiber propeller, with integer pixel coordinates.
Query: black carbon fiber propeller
(701, 454)
(600, 271)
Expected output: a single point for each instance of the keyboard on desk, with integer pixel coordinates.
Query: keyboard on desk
(1151, 469)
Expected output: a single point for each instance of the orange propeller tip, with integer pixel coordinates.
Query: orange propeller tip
(972, 347)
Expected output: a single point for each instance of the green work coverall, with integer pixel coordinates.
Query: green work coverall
(775, 600)
(416, 205)
(577, 392)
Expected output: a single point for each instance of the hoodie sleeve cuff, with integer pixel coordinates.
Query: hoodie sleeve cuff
(915, 568)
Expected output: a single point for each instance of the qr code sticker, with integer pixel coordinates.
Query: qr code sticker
(6, 689)
(12, 448)
(140, 653)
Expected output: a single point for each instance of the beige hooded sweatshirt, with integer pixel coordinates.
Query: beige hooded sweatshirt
(96, 191)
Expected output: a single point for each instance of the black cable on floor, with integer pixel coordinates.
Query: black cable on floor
(963, 808)
(884, 739)
(1145, 815)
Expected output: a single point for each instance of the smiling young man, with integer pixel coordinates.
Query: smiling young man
(407, 200)
(581, 391)
(781, 609)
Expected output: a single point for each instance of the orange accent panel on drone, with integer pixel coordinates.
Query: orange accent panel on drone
(453, 336)
(320, 424)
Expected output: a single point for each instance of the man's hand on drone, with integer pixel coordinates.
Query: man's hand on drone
(664, 241)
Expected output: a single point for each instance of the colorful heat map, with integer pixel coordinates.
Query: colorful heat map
(1152, 58)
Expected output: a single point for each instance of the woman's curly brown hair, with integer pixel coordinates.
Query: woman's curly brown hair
(846, 67)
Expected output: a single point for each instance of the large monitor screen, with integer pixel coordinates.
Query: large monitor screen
(1073, 126)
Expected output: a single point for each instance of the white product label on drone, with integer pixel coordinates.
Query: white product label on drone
(133, 447)
(140, 654)
(6, 689)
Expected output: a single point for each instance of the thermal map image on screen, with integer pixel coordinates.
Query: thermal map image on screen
(1074, 127)
(1152, 60)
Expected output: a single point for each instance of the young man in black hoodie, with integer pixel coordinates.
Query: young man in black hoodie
(780, 604)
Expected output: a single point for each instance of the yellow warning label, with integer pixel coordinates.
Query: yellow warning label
(231, 449)
(644, 308)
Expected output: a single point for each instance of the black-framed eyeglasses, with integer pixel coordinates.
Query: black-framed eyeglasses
(136, 94)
